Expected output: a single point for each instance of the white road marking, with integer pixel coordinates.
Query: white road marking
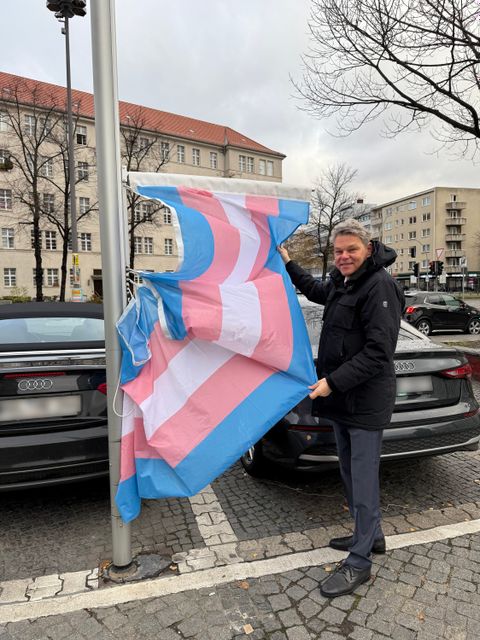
(212, 577)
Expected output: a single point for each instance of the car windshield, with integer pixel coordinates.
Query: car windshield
(50, 329)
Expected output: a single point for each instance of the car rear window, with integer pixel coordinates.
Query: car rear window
(50, 329)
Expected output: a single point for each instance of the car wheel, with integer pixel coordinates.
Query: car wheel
(474, 327)
(253, 461)
(424, 327)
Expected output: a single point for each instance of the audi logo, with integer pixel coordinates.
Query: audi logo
(404, 365)
(35, 384)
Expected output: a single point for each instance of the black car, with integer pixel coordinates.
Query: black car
(435, 410)
(53, 409)
(435, 311)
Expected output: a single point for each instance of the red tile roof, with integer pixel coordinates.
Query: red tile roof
(27, 91)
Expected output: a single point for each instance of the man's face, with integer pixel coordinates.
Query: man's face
(350, 253)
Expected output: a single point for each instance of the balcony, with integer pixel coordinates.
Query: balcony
(454, 253)
(455, 237)
(455, 206)
(453, 268)
(450, 220)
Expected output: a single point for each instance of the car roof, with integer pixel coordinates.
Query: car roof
(51, 309)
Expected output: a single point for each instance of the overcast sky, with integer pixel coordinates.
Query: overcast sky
(229, 63)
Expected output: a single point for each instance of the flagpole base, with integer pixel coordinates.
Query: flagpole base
(143, 567)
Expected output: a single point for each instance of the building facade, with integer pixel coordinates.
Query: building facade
(34, 199)
(438, 224)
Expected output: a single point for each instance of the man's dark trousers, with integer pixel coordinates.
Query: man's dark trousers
(359, 456)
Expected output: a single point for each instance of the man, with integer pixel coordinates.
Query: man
(356, 382)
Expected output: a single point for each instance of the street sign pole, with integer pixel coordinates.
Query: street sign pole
(107, 131)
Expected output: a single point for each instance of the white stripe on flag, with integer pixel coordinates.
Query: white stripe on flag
(239, 217)
(241, 318)
(130, 411)
(186, 372)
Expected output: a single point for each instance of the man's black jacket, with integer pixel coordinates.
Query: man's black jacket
(360, 328)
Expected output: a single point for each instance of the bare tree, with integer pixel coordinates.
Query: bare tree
(414, 62)
(32, 117)
(332, 201)
(142, 150)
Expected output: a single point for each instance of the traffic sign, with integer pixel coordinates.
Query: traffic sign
(439, 253)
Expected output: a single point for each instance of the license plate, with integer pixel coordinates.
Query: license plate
(35, 408)
(417, 384)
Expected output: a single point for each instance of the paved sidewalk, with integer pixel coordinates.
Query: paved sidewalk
(428, 591)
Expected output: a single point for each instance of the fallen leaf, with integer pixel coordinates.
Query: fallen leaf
(421, 616)
(412, 529)
(248, 629)
(477, 481)
(345, 508)
(244, 585)
(173, 567)
(328, 568)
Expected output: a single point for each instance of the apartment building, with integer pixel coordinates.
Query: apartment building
(441, 223)
(32, 179)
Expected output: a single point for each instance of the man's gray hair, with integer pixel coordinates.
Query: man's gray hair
(351, 227)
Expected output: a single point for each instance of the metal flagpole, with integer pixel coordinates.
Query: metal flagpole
(107, 133)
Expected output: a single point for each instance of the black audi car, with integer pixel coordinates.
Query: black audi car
(435, 410)
(436, 311)
(53, 409)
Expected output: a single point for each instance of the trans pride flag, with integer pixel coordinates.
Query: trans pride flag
(217, 352)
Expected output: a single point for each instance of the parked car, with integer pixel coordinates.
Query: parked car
(435, 410)
(435, 311)
(53, 410)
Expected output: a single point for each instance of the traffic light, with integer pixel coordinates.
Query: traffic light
(416, 267)
(439, 267)
(431, 267)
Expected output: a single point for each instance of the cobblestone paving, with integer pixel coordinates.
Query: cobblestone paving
(68, 529)
(423, 592)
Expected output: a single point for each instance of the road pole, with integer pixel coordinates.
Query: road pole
(107, 130)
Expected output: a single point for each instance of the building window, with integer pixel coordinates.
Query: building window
(85, 241)
(426, 201)
(8, 239)
(412, 220)
(242, 163)
(81, 134)
(196, 157)
(48, 203)
(425, 248)
(137, 245)
(83, 205)
(168, 245)
(143, 212)
(402, 235)
(425, 233)
(10, 277)
(3, 121)
(148, 245)
(143, 143)
(29, 125)
(453, 197)
(250, 164)
(52, 278)
(262, 169)
(269, 168)
(412, 235)
(388, 239)
(5, 198)
(51, 240)
(32, 239)
(164, 150)
(388, 226)
(213, 160)
(82, 171)
(5, 162)
(34, 274)
(45, 167)
(413, 252)
(167, 217)
(412, 205)
(180, 153)
(424, 264)
(426, 216)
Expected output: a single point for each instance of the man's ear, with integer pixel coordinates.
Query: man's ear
(369, 249)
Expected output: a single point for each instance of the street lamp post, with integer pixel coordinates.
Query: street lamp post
(64, 10)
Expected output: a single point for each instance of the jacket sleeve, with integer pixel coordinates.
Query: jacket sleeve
(380, 316)
(313, 289)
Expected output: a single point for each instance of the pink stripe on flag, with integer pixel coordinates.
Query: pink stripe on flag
(207, 407)
(163, 350)
(263, 229)
(264, 205)
(202, 310)
(226, 238)
(234, 381)
(127, 456)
